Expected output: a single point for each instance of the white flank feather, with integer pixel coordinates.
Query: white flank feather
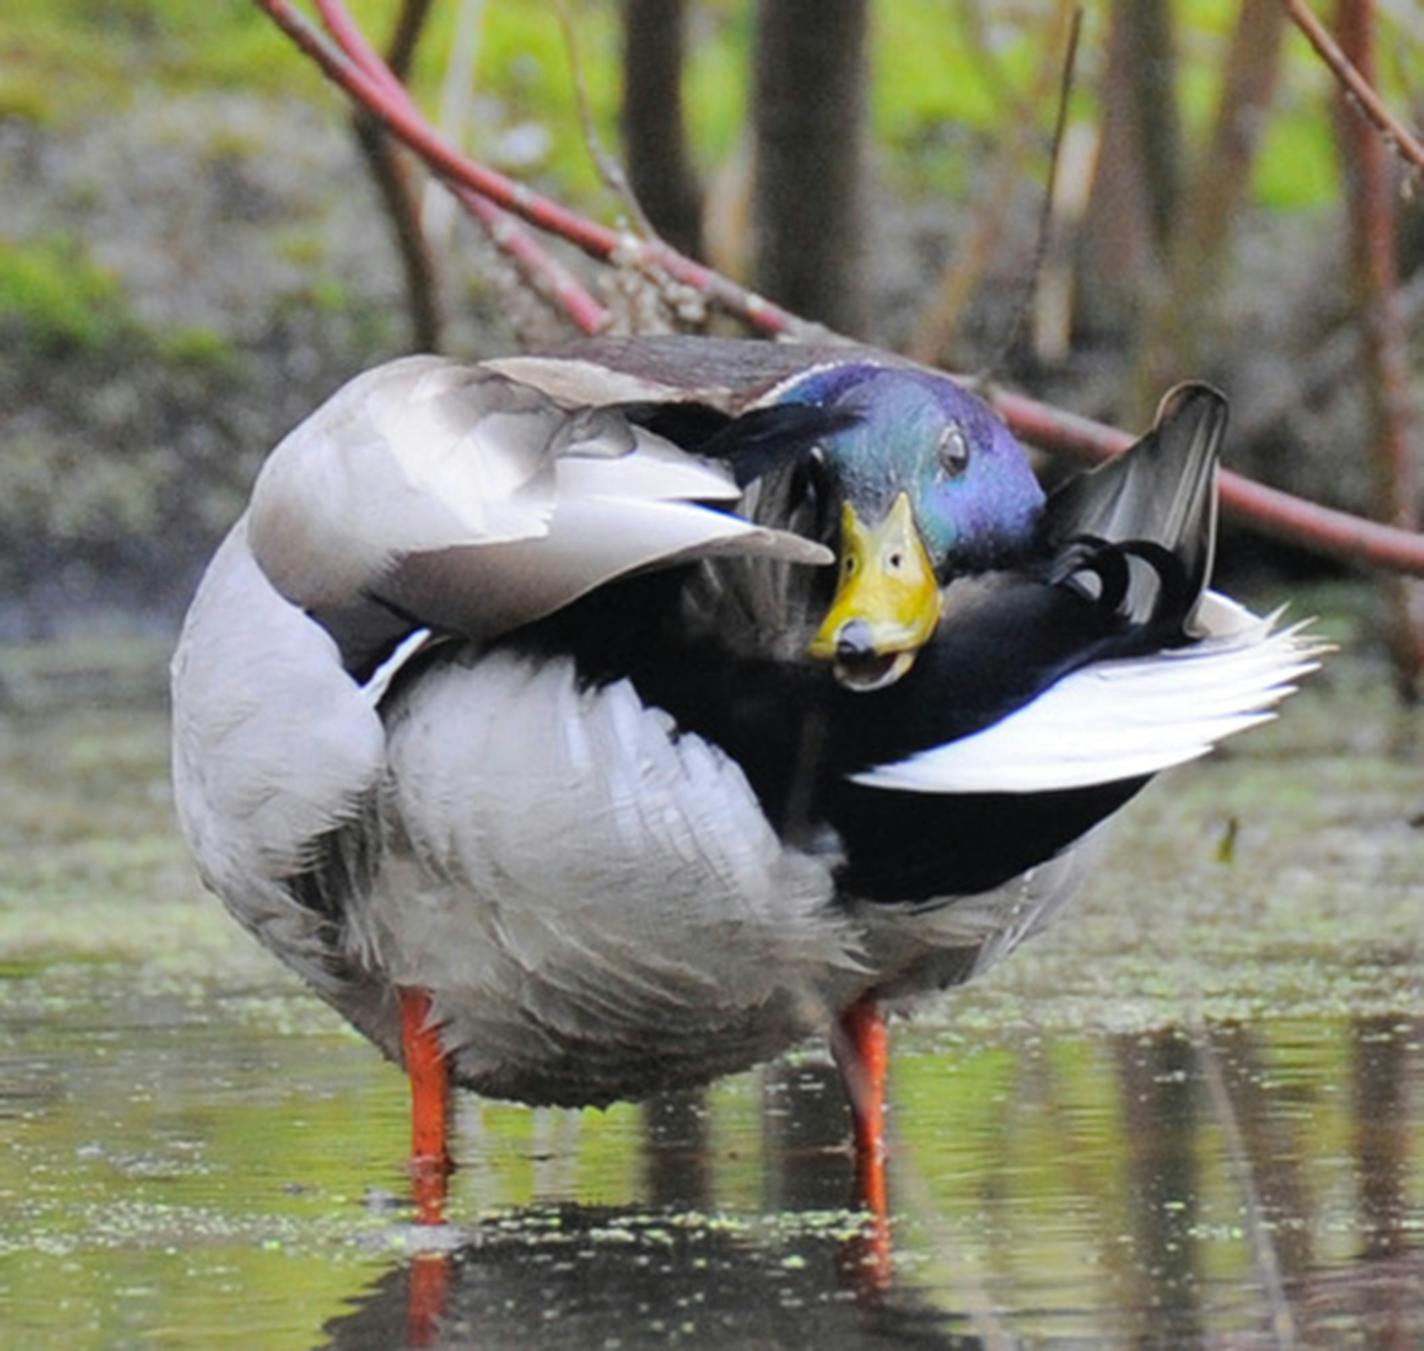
(1121, 719)
(273, 744)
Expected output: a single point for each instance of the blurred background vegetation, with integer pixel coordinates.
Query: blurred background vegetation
(192, 254)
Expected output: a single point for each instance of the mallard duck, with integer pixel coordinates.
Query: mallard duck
(588, 724)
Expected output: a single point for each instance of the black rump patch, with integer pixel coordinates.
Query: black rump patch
(920, 846)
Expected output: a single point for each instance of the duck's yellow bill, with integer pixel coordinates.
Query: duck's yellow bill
(887, 603)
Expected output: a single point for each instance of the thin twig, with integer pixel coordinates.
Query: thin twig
(1045, 216)
(1067, 205)
(389, 170)
(391, 175)
(1396, 135)
(1268, 510)
(609, 167)
(410, 24)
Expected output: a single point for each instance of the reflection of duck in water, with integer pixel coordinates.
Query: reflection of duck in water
(516, 715)
(579, 1277)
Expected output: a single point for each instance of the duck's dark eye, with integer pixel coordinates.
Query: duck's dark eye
(953, 451)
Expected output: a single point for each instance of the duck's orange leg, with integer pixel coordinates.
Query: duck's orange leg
(429, 1105)
(863, 1054)
(862, 1050)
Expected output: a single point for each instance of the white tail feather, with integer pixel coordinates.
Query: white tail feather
(1121, 719)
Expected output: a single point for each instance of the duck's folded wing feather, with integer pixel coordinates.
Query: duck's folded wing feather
(432, 492)
(1123, 719)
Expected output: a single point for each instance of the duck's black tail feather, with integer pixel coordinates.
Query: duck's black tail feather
(1161, 491)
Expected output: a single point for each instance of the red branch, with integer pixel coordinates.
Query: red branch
(594, 239)
(393, 181)
(1268, 509)
(1396, 135)
(542, 269)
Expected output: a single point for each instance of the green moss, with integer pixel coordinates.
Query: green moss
(329, 293)
(58, 295)
(304, 247)
(200, 347)
(25, 97)
(84, 53)
(227, 144)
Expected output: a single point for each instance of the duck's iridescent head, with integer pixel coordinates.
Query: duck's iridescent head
(930, 484)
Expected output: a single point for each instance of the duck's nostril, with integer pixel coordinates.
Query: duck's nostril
(855, 642)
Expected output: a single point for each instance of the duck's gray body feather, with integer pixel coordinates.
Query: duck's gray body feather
(595, 902)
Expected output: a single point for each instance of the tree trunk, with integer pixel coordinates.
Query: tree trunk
(1384, 354)
(1122, 239)
(809, 115)
(654, 136)
(1159, 129)
(1174, 339)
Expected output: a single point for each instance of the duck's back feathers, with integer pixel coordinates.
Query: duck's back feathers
(726, 375)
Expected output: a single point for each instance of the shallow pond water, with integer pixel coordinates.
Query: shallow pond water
(1191, 1116)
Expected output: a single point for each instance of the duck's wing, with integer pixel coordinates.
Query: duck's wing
(428, 492)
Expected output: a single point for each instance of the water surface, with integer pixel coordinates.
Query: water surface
(1192, 1116)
